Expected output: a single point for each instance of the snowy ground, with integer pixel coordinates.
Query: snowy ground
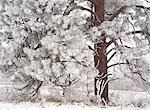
(121, 100)
(128, 100)
(58, 106)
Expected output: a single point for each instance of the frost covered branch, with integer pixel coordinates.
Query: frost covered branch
(67, 12)
(68, 82)
(31, 88)
(117, 64)
(139, 32)
(36, 90)
(122, 9)
(28, 85)
(118, 12)
(138, 72)
(94, 2)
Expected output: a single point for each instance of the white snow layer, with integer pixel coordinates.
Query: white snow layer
(58, 106)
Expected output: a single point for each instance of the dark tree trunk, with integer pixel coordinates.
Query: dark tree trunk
(100, 58)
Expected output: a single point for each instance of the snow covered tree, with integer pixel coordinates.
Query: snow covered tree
(39, 43)
(128, 33)
(55, 40)
(119, 28)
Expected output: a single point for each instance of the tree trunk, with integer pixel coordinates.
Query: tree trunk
(100, 58)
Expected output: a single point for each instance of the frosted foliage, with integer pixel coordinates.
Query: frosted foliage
(148, 24)
(35, 53)
(39, 41)
(7, 50)
(50, 42)
(35, 69)
(46, 66)
(113, 5)
(113, 29)
(72, 68)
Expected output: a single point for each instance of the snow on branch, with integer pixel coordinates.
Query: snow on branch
(67, 12)
(138, 32)
(68, 81)
(140, 6)
(122, 9)
(117, 13)
(94, 2)
(31, 88)
(123, 63)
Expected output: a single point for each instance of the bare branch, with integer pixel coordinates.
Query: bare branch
(67, 83)
(143, 7)
(107, 13)
(75, 62)
(109, 43)
(90, 48)
(117, 64)
(126, 63)
(126, 46)
(138, 32)
(111, 56)
(110, 51)
(74, 81)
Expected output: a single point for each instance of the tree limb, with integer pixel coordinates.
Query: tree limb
(120, 10)
(143, 7)
(138, 73)
(94, 2)
(110, 51)
(117, 13)
(79, 7)
(109, 43)
(111, 56)
(138, 32)
(27, 86)
(35, 91)
(126, 63)
(117, 64)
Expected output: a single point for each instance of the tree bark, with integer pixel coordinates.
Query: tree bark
(100, 58)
